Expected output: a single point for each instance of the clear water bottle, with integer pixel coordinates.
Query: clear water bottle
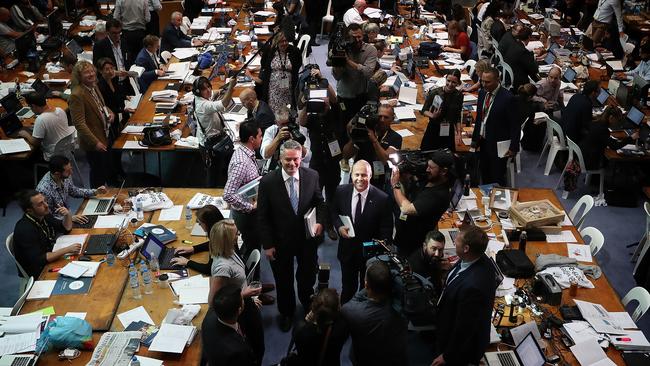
(146, 280)
(466, 185)
(110, 258)
(188, 217)
(143, 266)
(523, 239)
(139, 213)
(134, 282)
(154, 266)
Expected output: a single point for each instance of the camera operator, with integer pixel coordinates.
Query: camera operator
(352, 77)
(379, 333)
(421, 206)
(284, 129)
(377, 145)
(429, 261)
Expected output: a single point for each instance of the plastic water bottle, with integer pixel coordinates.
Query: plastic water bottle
(523, 239)
(143, 266)
(466, 185)
(188, 217)
(133, 281)
(146, 280)
(139, 214)
(154, 266)
(110, 258)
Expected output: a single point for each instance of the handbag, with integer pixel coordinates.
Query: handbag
(219, 143)
(156, 136)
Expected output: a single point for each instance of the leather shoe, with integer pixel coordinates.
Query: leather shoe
(285, 323)
(331, 233)
(268, 287)
(266, 299)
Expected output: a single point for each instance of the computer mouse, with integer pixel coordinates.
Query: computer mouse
(84, 258)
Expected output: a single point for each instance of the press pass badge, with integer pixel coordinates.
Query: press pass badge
(444, 129)
(335, 149)
(378, 168)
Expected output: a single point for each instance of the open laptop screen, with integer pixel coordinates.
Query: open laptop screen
(151, 246)
(550, 58)
(570, 75)
(602, 97)
(529, 352)
(635, 116)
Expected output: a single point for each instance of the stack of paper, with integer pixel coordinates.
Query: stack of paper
(404, 113)
(91, 268)
(164, 95)
(41, 290)
(73, 270)
(13, 146)
(173, 338)
(193, 290)
(67, 240)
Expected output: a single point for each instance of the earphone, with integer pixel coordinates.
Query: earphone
(196, 85)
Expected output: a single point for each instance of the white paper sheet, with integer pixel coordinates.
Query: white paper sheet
(565, 236)
(80, 315)
(16, 343)
(92, 267)
(73, 270)
(12, 146)
(133, 145)
(623, 319)
(109, 221)
(147, 361)
(404, 113)
(67, 240)
(405, 132)
(193, 296)
(589, 353)
(134, 315)
(41, 290)
(502, 148)
(580, 252)
(408, 95)
(171, 214)
(347, 222)
(171, 338)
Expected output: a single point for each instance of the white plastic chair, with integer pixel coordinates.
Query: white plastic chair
(185, 25)
(251, 263)
(645, 240)
(303, 46)
(586, 202)
(596, 239)
(470, 66)
(640, 295)
(166, 56)
(21, 300)
(507, 76)
(576, 153)
(328, 18)
(9, 243)
(554, 142)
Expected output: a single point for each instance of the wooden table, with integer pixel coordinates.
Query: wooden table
(110, 295)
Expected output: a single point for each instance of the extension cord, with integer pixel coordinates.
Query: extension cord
(132, 248)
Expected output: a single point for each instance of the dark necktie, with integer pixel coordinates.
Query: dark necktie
(357, 209)
(452, 274)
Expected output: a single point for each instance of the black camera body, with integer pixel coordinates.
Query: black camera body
(339, 46)
(294, 129)
(413, 162)
(366, 118)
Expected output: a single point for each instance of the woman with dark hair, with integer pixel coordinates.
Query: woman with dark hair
(321, 336)
(279, 73)
(458, 14)
(485, 47)
(443, 107)
(458, 41)
(206, 217)
(598, 138)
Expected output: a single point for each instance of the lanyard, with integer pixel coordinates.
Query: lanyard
(46, 229)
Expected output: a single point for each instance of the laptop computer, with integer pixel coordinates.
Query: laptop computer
(602, 96)
(12, 104)
(236, 108)
(39, 86)
(635, 116)
(74, 47)
(569, 75)
(153, 246)
(10, 124)
(102, 243)
(549, 59)
(442, 71)
(456, 194)
(101, 206)
(527, 353)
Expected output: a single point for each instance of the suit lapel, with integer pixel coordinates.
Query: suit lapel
(89, 100)
(348, 201)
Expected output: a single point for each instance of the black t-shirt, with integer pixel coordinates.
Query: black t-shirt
(367, 153)
(427, 268)
(430, 203)
(309, 342)
(33, 240)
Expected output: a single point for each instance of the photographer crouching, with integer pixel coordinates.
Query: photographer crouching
(422, 193)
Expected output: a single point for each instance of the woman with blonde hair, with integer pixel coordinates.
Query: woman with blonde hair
(92, 118)
(229, 268)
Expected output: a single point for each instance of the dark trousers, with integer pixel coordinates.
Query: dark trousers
(493, 168)
(133, 40)
(215, 167)
(353, 271)
(250, 321)
(352, 106)
(329, 177)
(246, 224)
(98, 162)
(305, 252)
(153, 27)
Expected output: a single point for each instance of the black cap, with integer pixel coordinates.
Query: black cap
(443, 159)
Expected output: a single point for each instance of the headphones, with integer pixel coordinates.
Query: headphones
(196, 85)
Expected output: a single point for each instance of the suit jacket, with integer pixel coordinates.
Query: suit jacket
(375, 222)
(149, 74)
(103, 49)
(464, 314)
(222, 345)
(87, 118)
(521, 60)
(174, 38)
(279, 225)
(264, 116)
(502, 122)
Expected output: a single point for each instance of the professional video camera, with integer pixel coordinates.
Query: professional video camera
(413, 295)
(413, 162)
(366, 118)
(294, 128)
(308, 83)
(338, 47)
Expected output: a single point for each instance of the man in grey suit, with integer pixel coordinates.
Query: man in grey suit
(284, 197)
(369, 209)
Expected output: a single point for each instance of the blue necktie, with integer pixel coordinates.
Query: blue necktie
(293, 197)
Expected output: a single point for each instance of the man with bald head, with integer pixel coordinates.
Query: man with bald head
(548, 91)
(173, 37)
(353, 15)
(257, 109)
(369, 211)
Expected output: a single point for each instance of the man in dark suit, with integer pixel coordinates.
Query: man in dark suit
(257, 109)
(496, 122)
(469, 289)
(369, 209)
(223, 341)
(112, 47)
(521, 60)
(284, 197)
(149, 59)
(173, 37)
(576, 117)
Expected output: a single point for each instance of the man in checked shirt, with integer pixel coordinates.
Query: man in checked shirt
(243, 169)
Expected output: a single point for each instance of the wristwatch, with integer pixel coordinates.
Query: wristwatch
(397, 185)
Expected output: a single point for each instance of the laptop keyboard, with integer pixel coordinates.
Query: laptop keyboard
(506, 359)
(21, 361)
(99, 243)
(102, 205)
(165, 261)
(88, 225)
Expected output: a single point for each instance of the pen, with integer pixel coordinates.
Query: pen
(187, 242)
(623, 339)
(54, 269)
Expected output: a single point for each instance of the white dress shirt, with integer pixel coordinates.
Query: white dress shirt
(272, 131)
(642, 70)
(287, 182)
(355, 198)
(606, 10)
(352, 16)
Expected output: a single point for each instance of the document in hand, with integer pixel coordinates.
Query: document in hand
(172, 338)
(347, 222)
(310, 223)
(249, 190)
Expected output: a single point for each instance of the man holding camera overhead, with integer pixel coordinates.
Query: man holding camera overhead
(422, 198)
(353, 72)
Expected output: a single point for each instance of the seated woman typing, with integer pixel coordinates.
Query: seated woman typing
(598, 138)
(458, 41)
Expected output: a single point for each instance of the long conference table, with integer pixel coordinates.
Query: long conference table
(110, 294)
